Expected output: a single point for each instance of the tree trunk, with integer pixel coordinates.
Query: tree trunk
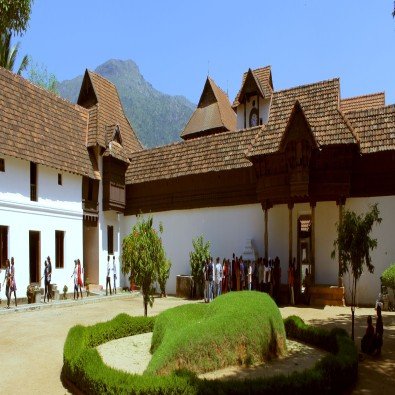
(352, 321)
(145, 308)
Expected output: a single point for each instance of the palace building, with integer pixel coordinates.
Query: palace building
(275, 167)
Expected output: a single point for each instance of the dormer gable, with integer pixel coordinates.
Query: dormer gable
(87, 96)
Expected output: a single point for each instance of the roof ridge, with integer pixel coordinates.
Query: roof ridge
(222, 91)
(361, 96)
(101, 77)
(323, 82)
(349, 125)
(45, 91)
(372, 111)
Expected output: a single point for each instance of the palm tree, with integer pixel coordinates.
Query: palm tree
(8, 54)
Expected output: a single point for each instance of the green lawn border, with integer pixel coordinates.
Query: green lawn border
(84, 369)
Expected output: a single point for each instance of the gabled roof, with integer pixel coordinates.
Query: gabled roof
(263, 80)
(38, 126)
(213, 113)
(218, 152)
(320, 102)
(101, 98)
(375, 128)
(365, 102)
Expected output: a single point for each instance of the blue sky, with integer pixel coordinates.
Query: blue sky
(175, 43)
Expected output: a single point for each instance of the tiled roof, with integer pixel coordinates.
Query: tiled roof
(116, 151)
(263, 77)
(375, 128)
(222, 151)
(40, 127)
(365, 102)
(319, 103)
(213, 112)
(108, 111)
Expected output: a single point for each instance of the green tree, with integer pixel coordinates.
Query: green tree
(143, 257)
(354, 245)
(197, 258)
(8, 54)
(39, 75)
(14, 15)
(163, 276)
(388, 278)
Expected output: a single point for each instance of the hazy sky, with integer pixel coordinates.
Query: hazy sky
(175, 43)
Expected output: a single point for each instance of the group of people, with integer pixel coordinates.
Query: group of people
(114, 274)
(372, 341)
(9, 281)
(239, 274)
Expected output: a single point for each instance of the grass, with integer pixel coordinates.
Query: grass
(236, 328)
(84, 368)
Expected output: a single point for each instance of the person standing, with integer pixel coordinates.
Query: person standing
(249, 276)
(114, 272)
(206, 282)
(79, 277)
(210, 273)
(13, 282)
(379, 331)
(7, 281)
(108, 278)
(218, 277)
(48, 279)
(75, 278)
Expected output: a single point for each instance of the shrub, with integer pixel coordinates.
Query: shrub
(237, 326)
(388, 278)
(85, 369)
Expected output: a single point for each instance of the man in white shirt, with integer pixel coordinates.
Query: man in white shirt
(218, 277)
(114, 271)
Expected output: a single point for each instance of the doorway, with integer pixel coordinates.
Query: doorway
(34, 256)
(304, 247)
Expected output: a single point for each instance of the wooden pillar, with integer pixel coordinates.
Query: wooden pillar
(245, 112)
(290, 228)
(265, 207)
(312, 237)
(340, 202)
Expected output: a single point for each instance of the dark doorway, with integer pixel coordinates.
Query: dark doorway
(34, 256)
(3, 245)
(91, 251)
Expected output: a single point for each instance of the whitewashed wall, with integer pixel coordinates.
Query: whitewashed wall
(58, 208)
(227, 228)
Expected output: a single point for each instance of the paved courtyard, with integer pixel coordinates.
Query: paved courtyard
(31, 342)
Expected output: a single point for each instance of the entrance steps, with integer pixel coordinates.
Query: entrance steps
(326, 295)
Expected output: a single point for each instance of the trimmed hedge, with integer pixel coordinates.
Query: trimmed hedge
(236, 328)
(84, 367)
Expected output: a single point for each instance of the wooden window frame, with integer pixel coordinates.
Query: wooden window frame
(59, 249)
(4, 229)
(33, 182)
(2, 165)
(60, 179)
(110, 240)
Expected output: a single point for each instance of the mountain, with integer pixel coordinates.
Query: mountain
(157, 118)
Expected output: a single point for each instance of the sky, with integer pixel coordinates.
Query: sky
(176, 44)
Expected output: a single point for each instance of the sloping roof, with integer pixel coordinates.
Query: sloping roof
(212, 113)
(319, 102)
(375, 128)
(107, 111)
(40, 127)
(365, 102)
(263, 77)
(222, 151)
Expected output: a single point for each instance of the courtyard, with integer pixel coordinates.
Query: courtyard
(32, 341)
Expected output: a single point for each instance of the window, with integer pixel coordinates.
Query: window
(33, 182)
(59, 179)
(59, 249)
(3, 245)
(110, 240)
(2, 164)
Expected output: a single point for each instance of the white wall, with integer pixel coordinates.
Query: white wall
(57, 208)
(227, 228)
(264, 107)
